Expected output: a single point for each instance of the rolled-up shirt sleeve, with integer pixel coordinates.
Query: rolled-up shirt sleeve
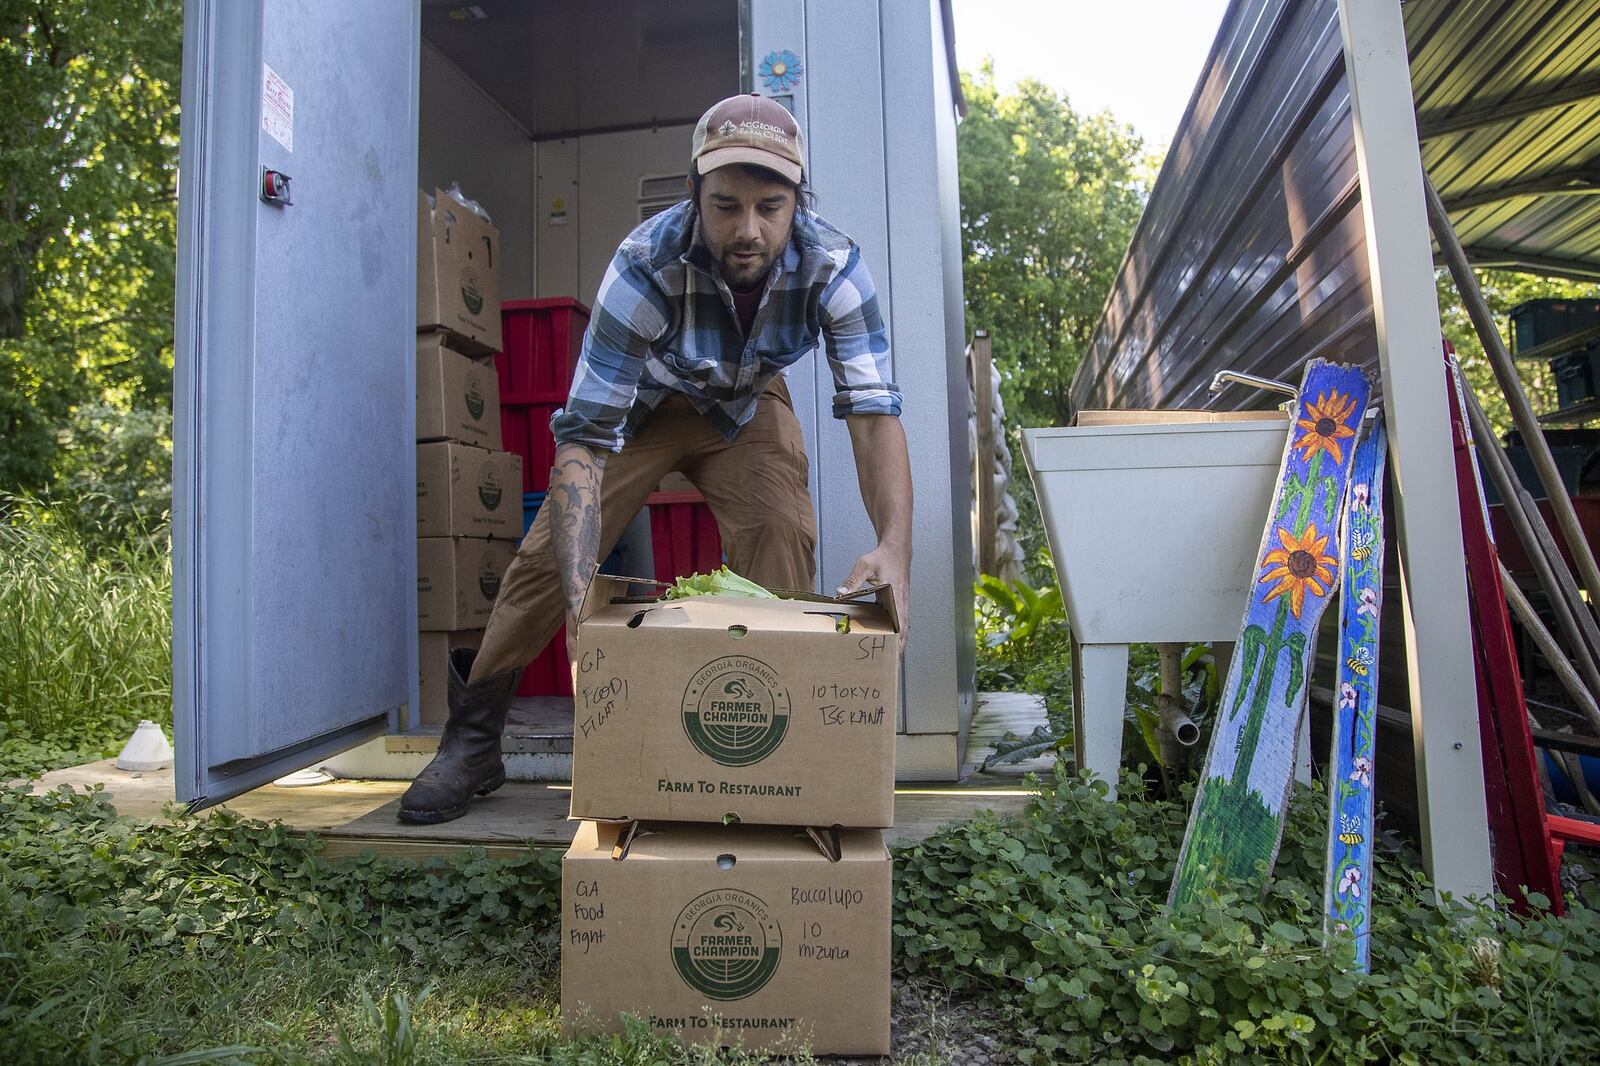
(857, 344)
(630, 314)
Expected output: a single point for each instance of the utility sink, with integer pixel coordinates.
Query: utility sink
(1154, 520)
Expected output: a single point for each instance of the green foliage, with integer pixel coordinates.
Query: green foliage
(1049, 200)
(1060, 918)
(89, 158)
(1023, 644)
(216, 939)
(85, 624)
(1502, 290)
(115, 468)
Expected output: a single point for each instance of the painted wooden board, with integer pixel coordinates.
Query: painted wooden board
(1347, 892)
(1237, 819)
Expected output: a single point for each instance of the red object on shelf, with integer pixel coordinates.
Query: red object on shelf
(542, 341)
(549, 674)
(683, 535)
(525, 429)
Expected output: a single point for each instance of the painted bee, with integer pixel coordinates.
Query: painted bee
(1363, 547)
(1349, 831)
(1361, 662)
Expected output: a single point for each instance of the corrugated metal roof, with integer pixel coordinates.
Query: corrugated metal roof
(1251, 254)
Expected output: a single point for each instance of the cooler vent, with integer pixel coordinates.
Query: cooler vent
(657, 192)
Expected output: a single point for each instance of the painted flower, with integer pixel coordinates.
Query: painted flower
(1324, 425)
(1361, 771)
(780, 71)
(1367, 602)
(1350, 882)
(1360, 497)
(1347, 696)
(1301, 563)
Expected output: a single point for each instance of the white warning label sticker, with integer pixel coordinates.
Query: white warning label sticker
(277, 108)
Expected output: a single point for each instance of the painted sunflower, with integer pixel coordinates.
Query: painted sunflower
(1324, 425)
(1300, 564)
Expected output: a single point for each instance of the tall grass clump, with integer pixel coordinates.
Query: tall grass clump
(85, 634)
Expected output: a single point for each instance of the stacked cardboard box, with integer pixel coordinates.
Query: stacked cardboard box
(469, 493)
(733, 760)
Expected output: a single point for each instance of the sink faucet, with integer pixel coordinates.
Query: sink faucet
(1223, 378)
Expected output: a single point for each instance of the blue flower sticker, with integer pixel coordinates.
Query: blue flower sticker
(780, 71)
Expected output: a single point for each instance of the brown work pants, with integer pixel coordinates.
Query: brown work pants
(756, 485)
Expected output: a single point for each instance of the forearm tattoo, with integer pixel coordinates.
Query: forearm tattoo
(575, 518)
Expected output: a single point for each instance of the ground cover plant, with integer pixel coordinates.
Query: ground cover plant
(216, 939)
(85, 634)
(1061, 918)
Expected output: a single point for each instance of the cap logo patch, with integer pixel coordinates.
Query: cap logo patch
(726, 129)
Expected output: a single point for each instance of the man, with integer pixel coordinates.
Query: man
(702, 309)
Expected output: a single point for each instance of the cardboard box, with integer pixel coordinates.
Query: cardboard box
(458, 397)
(773, 939)
(458, 272)
(463, 491)
(765, 710)
(458, 579)
(433, 669)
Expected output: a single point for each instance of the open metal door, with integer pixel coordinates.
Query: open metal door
(294, 500)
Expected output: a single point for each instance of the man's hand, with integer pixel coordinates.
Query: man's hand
(883, 467)
(884, 566)
(574, 502)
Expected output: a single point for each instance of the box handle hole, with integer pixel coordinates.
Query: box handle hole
(737, 632)
(730, 819)
(633, 623)
(725, 862)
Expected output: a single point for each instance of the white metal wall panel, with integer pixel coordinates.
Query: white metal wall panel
(556, 238)
(845, 142)
(925, 272)
(468, 138)
(776, 26)
(610, 166)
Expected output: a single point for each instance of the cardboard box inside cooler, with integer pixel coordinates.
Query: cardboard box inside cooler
(465, 491)
(433, 669)
(773, 712)
(458, 579)
(774, 939)
(458, 279)
(458, 397)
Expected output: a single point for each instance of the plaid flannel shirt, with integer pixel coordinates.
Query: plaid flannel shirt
(664, 322)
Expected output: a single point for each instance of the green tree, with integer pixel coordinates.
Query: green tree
(1503, 290)
(88, 183)
(1049, 200)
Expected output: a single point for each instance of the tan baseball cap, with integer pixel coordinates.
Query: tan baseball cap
(749, 129)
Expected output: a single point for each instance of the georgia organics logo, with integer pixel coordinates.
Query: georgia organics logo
(489, 491)
(471, 294)
(473, 394)
(736, 710)
(726, 944)
(488, 576)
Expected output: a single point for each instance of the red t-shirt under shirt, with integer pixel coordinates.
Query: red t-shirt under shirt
(745, 303)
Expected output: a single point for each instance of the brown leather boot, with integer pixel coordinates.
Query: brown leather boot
(469, 759)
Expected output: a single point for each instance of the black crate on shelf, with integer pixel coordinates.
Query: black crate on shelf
(1536, 322)
(1576, 376)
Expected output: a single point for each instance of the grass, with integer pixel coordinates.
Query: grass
(85, 638)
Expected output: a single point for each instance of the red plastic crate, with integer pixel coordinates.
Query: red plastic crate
(549, 674)
(525, 429)
(541, 345)
(683, 535)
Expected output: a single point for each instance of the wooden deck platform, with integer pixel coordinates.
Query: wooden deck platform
(357, 816)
